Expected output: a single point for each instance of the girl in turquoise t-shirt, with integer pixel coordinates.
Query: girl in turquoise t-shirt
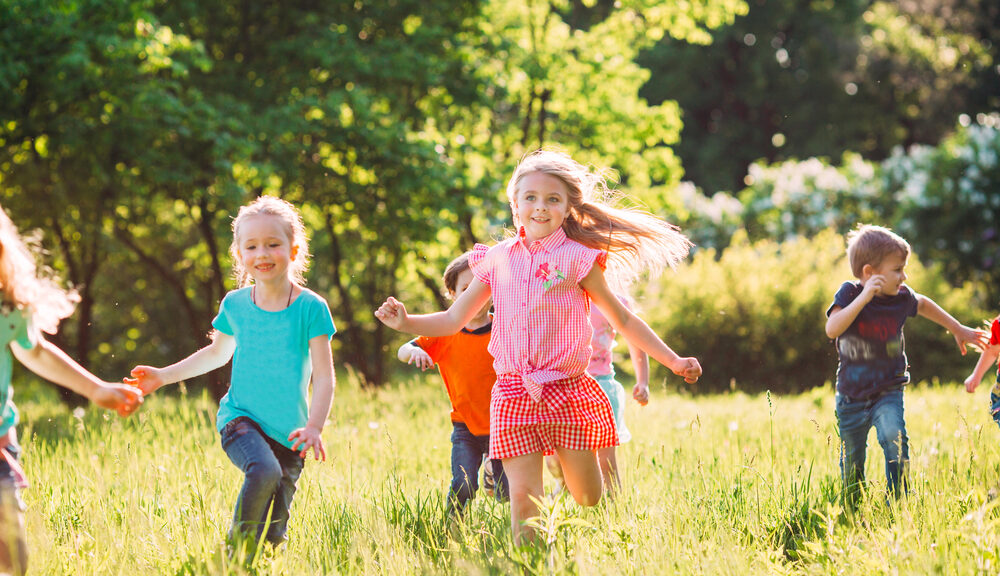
(277, 333)
(30, 303)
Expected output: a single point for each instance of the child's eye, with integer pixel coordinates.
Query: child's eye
(530, 197)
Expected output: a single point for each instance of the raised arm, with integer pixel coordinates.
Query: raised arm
(213, 356)
(323, 383)
(634, 329)
(963, 334)
(840, 319)
(393, 313)
(51, 363)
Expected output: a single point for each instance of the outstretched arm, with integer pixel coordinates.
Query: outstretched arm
(213, 356)
(323, 382)
(51, 363)
(393, 313)
(963, 334)
(635, 330)
(987, 359)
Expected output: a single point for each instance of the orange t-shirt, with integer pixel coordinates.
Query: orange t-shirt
(467, 370)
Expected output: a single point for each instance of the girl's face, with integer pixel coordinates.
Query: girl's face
(265, 248)
(541, 205)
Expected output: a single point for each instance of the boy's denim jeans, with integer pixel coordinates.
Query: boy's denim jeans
(855, 417)
(467, 451)
(271, 471)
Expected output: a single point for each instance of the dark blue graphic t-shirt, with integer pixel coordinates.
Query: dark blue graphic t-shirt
(871, 349)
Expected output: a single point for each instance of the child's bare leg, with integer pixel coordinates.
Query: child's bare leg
(13, 545)
(582, 475)
(524, 480)
(609, 470)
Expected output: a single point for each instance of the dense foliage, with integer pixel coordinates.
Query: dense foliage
(132, 130)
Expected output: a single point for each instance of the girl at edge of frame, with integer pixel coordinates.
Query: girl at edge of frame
(32, 302)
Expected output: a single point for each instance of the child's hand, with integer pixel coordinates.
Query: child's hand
(687, 368)
(392, 313)
(978, 339)
(119, 397)
(306, 438)
(971, 383)
(872, 287)
(641, 393)
(145, 378)
(420, 359)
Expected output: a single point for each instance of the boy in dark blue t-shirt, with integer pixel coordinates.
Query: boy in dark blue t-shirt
(866, 319)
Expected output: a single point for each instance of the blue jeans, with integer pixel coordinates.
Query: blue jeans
(995, 402)
(271, 471)
(467, 451)
(855, 417)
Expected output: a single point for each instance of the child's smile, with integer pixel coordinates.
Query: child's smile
(541, 205)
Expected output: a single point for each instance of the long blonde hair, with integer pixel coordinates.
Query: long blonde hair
(294, 228)
(637, 241)
(29, 285)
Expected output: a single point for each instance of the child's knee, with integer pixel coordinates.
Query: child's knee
(588, 497)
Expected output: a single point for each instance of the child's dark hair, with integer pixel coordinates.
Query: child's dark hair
(456, 267)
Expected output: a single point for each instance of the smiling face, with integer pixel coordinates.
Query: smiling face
(266, 249)
(541, 205)
(892, 269)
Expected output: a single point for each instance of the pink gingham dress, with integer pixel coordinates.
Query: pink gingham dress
(543, 397)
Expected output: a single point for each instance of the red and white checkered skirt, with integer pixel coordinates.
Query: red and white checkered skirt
(572, 413)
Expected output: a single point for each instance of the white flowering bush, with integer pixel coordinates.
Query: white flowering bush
(948, 202)
(709, 221)
(798, 198)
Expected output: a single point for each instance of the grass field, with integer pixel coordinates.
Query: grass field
(730, 484)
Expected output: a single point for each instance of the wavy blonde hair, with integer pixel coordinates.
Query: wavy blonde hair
(29, 285)
(294, 228)
(637, 241)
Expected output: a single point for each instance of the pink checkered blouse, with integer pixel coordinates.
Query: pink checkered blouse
(540, 343)
(541, 327)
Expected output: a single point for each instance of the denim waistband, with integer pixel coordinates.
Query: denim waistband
(876, 396)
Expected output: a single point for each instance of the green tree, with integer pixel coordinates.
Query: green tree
(799, 79)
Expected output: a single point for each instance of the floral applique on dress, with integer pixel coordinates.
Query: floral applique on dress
(549, 276)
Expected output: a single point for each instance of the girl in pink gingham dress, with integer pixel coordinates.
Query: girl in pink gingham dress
(542, 282)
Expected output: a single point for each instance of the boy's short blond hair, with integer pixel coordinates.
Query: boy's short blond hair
(868, 244)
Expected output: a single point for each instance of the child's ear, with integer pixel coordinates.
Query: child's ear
(867, 270)
(295, 251)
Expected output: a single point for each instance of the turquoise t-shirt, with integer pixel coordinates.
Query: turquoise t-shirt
(14, 327)
(271, 365)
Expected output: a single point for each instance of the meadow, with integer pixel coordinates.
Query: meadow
(724, 484)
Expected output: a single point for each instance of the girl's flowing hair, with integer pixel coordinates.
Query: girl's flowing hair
(294, 228)
(637, 241)
(27, 284)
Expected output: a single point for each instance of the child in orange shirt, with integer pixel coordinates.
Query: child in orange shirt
(466, 367)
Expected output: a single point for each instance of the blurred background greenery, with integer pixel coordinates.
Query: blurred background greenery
(132, 130)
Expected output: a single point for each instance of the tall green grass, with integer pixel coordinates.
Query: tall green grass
(730, 484)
